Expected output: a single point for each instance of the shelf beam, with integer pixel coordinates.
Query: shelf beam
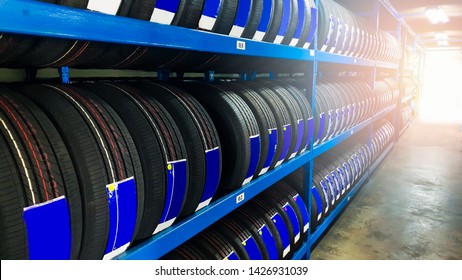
(174, 236)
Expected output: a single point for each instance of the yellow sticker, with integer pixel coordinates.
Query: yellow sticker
(285, 128)
(270, 132)
(225, 259)
(260, 232)
(111, 187)
(244, 243)
(169, 167)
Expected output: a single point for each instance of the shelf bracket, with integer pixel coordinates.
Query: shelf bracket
(64, 74)
(210, 76)
(163, 75)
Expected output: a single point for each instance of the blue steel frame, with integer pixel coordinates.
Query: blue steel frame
(42, 19)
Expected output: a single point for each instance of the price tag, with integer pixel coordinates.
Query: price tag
(240, 45)
(240, 198)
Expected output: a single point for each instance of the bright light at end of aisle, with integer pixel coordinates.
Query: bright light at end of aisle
(441, 99)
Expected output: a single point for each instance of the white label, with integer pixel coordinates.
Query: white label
(297, 237)
(246, 181)
(355, 61)
(116, 252)
(319, 216)
(207, 23)
(240, 198)
(240, 45)
(236, 31)
(311, 51)
(203, 204)
(307, 226)
(286, 251)
(162, 16)
(263, 171)
(164, 225)
(278, 39)
(293, 155)
(107, 7)
(279, 163)
(294, 42)
(259, 36)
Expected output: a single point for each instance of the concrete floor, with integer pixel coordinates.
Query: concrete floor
(412, 206)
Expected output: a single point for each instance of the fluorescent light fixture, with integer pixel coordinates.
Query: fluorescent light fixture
(443, 43)
(436, 15)
(441, 36)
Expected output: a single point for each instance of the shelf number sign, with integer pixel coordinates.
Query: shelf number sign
(240, 198)
(240, 45)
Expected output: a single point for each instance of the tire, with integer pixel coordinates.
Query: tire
(160, 143)
(266, 123)
(101, 155)
(235, 124)
(200, 136)
(214, 246)
(32, 145)
(282, 120)
(189, 13)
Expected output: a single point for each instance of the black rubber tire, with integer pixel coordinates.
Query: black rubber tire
(13, 46)
(197, 130)
(225, 18)
(43, 153)
(189, 13)
(264, 117)
(293, 22)
(252, 223)
(213, 245)
(235, 124)
(186, 251)
(81, 118)
(280, 113)
(254, 19)
(234, 233)
(270, 206)
(275, 22)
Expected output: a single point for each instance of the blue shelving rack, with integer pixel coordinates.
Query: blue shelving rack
(41, 19)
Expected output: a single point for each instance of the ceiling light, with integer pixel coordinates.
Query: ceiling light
(441, 36)
(436, 15)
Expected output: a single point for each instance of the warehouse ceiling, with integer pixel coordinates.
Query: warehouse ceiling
(413, 12)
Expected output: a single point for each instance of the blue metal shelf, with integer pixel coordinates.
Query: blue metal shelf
(174, 236)
(383, 113)
(300, 254)
(335, 213)
(324, 147)
(341, 59)
(43, 19)
(380, 159)
(321, 229)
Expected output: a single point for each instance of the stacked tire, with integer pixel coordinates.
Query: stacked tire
(342, 105)
(155, 152)
(342, 32)
(288, 22)
(271, 226)
(336, 172)
(124, 167)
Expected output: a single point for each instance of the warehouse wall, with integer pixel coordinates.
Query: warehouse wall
(442, 91)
